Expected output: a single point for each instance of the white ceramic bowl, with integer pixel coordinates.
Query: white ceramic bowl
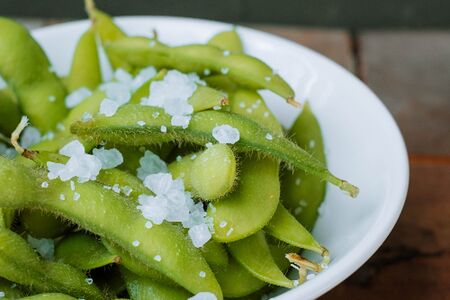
(363, 143)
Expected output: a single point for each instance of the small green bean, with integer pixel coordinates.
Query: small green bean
(26, 69)
(140, 288)
(85, 70)
(9, 111)
(122, 129)
(19, 263)
(108, 214)
(251, 252)
(84, 252)
(216, 165)
(302, 193)
(227, 40)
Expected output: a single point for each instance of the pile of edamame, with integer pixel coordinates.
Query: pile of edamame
(170, 179)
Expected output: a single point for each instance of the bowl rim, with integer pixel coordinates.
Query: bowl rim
(390, 212)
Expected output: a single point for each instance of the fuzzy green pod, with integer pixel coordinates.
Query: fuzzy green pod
(9, 111)
(253, 253)
(227, 40)
(50, 296)
(85, 69)
(110, 215)
(10, 290)
(209, 174)
(27, 70)
(19, 263)
(302, 193)
(122, 128)
(84, 252)
(41, 224)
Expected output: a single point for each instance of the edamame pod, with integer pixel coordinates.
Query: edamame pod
(85, 70)
(84, 252)
(6, 217)
(122, 129)
(253, 253)
(110, 215)
(250, 207)
(302, 193)
(19, 263)
(215, 254)
(248, 71)
(209, 174)
(50, 296)
(9, 111)
(140, 288)
(26, 69)
(42, 224)
(108, 31)
(227, 40)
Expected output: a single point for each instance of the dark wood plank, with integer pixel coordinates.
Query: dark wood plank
(414, 262)
(333, 43)
(410, 71)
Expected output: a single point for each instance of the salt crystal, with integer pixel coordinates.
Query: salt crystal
(269, 137)
(230, 231)
(182, 121)
(7, 152)
(2, 294)
(267, 78)
(45, 247)
(89, 281)
(44, 185)
(110, 158)
(141, 123)
(155, 114)
(202, 274)
(50, 135)
(86, 117)
(62, 197)
(310, 276)
(206, 72)
(199, 235)
(150, 163)
(142, 77)
(203, 296)
(223, 224)
(152, 208)
(73, 148)
(208, 145)
(312, 144)
(60, 127)
(217, 107)
(179, 158)
(136, 243)
(3, 83)
(296, 282)
(123, 76)
(51, 98)
(116, 188)
(152, 44)
(225, 134)
(108, 107)
(72, 185)
(77, 96)
(106, 187)
(242, 105)
(118, 92)
(163, 129)
(76, 196)
(226, 53)
(224, 70)
(157, 258)
(193, 156)
(148, 224)
(127, 190)
(30, 136)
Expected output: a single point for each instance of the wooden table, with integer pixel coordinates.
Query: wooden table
(410, 72)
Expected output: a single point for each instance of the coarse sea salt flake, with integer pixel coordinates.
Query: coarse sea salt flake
(199, 235)
(2, 294)
(108, 107)
(225, 134)
(136, 243)
(86, 117)
(30, 136)
(141, 123)
(203, 296)
(310, 276)
(163, 129)
(150, 163)
(269, 137)
(76, 196)
(110, 158)
(157, 258)
(202, 274)
(223, 224)
(77, 96)
(89, 281)
(44, 184)
(72, 185)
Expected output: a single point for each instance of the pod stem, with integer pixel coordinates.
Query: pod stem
(344, 185)
(302, 262)
(15, 135)
(89, 6)
(294, 103)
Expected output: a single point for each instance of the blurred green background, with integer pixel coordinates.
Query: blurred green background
(324, 13)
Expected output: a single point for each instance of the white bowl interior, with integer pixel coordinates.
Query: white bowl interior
(363, 142)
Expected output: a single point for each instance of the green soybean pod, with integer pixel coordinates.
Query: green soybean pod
(84, 252)
(140, 288)
(9, 110)
(122, 129)
(110, 215)
(216, 164)
(19, 263)
(85, 70)
(10, 290)
(26, 69)
(108, 31)
(227, 40)
(253, 253)
(50, 296)
(302, 193)
(215, 254)
(247, 70)
(42, 224)
(6, 217)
